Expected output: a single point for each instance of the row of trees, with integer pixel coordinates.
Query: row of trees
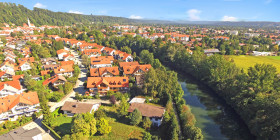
(253, 94)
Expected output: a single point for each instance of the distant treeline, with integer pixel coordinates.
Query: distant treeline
(18, 14)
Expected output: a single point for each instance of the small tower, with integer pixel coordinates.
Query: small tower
(28, 21)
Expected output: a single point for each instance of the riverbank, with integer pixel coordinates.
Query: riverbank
(217, 119)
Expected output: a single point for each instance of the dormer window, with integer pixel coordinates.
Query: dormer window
(124, 80)
(119, 83)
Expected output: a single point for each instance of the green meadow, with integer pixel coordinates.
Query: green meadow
(244, 61)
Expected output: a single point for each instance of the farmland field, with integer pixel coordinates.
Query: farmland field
(245, 62)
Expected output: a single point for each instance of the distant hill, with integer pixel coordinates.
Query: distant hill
(18, 14)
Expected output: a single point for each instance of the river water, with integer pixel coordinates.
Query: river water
(217, 120)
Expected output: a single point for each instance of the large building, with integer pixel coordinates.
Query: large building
(103, 84)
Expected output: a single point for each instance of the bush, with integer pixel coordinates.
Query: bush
(135, 117)
(147, 123)
(147, 136)
(103, 126)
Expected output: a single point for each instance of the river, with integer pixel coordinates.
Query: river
(217, 120)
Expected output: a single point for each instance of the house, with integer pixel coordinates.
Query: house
(65, 70)
(23, 134)
(210, 52)
(155, 113)
(55, 81)
(103, 84)
(29, 59)
(12, 106)
(250, 35)
(6, 75)
(122, 64)
(136, 69)
(109, 51)
(92, 52)
(63, 63)
(104, 72)
(119, 55)
(24, 66)
(68, 57)
(101, 61)
(61, 53)
(257, 53)
(7, 66)
(10, 88)
(72, 108)
(49, 63)
(221, 37)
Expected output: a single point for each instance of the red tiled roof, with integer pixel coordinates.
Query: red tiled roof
(96, 72)
(15, 84)
(108, 81)
(135, 68)
(8, 102)
(122, 64)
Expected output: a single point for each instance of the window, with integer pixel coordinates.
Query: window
(124, 80)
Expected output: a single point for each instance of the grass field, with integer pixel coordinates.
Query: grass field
(245, 62)
(120, 130)
(62, 125)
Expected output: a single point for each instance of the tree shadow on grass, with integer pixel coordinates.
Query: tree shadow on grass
(63, 129)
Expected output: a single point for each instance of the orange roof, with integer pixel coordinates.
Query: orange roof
(101, 60)
(108, 81)
(122, 64)
(61, 51)
(45, 72)
(15, 84)
(17, 77)
(30, 59)
(135, 68)
(91, 51)
(95, 72)
(63, 63)
(64, 68)
(8, 102)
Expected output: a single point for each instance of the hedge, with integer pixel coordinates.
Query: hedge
(59, 137)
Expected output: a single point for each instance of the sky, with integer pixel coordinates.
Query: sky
(188, 10)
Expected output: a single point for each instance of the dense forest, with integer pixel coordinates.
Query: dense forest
(253, 94)
(18, 14)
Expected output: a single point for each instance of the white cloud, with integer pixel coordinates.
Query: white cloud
(229, 18)
(75, 12)
(194, 14)
(135, 17)
(40, 5)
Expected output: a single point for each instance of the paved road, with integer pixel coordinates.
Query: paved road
(77, 88)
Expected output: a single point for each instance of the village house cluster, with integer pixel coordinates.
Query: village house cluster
(104, 73)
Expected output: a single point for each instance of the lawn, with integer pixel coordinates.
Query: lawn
(62, 125)
(245, 62)
(120, 130)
